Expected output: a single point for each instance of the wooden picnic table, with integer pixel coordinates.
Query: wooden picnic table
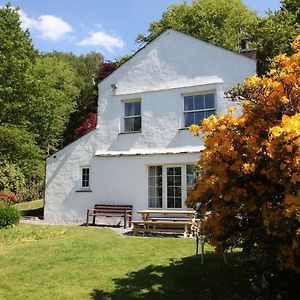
(146, 213)
(163, 220)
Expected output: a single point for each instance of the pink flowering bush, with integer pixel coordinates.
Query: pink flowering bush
(8, 198)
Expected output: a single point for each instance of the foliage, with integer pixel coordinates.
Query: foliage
(8, 198)
(292, 6)
(18, 147)
(17, 56)
(249, 178)
(89, 123)
(216, 21)
(9, 216)
(273, 35)
(85, 67)
(11, 177)
(105, 70)
(54, 101)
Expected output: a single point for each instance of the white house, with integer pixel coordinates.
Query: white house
(141, 152)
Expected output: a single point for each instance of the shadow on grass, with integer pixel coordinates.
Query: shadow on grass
(188, 279)
(38, 212)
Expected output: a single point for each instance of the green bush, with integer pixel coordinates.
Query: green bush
(9, 216)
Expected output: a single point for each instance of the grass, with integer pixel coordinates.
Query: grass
(56, 262)
(31, 208)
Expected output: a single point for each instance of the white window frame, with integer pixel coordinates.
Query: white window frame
(207, 92)
(81, 178)
(164, 185)
(127, 101)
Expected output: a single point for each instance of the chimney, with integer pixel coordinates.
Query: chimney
(251, 53)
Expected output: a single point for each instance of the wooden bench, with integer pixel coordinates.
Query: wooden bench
(107, 210)
(174, 226)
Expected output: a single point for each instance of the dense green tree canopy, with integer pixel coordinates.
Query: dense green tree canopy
(17, 57)
(55, 99)
(217, 21)
(85, 67)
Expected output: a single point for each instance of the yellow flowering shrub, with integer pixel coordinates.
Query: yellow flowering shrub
(248, 188)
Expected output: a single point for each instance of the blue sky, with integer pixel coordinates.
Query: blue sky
(106, 26)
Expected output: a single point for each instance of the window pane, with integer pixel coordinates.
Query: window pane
(178, 192)
(85, 177)
(159, 181)
(158, 191)
(189, 119)
(209, 101)
(199, 116)
(177, 181)
(137, 123)
(170, 171)
(177, 171)
(178, 203)
(151, 181)
(188, 103)
(128, 109)
(199, 101)
(129, 124)
(171, 192)
(158, 171)
(151, 192)
(170, 203)
(151, 171)
(190, 180)
(152, 202)
(190, 169)
(137, 108)
(170, 181)
(154, 187)
(159, 202)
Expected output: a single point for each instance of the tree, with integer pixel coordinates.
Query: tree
(85, 67)
(292, 6)
(55, 99)
(17, 57)
(273, 35)
(216, 21)
(89, 123)
(249, 181)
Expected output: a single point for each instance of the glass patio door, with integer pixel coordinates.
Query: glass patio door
(174, 187)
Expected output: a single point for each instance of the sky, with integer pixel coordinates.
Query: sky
(106, 26)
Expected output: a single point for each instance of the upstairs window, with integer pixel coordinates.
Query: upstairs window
(132, 118)
(198, 107)
(85, 177)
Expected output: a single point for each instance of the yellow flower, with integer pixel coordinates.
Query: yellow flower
(253, 80)
(284, 100)
(194, 128)
(231, 109)
(276, 131)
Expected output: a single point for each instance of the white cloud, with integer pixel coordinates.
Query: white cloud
(100, 38)
(48, 27)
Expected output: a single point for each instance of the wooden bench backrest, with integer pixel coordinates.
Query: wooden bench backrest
(113, 206)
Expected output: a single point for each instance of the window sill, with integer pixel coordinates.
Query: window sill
(129, 132)
(83, 191)
(185, 128)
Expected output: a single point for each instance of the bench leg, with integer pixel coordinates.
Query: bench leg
(87, 218)
(125, 220)
(94, 220)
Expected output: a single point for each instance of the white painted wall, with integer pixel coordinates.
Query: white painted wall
(171, 66)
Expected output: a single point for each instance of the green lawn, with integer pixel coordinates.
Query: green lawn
(56, 262)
